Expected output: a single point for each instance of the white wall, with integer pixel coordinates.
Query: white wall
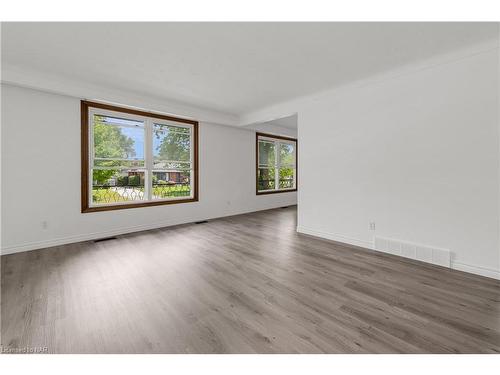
(41, 177)
(417, 151)
(414, 150)
(417, 154)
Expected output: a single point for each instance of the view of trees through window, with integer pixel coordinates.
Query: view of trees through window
(138, 157)
(276, 164)
(120, 170)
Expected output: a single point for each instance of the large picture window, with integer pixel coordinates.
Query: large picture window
(132, 158)
(276, 164)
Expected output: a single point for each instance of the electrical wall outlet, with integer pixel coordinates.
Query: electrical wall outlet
(372, 225)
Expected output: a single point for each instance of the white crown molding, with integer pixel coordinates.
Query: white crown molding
(56, 84)
(295, 105)
(19, 76)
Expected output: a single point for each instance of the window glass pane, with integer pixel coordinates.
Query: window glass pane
(266, 178)
(171, 184)
(287, 154)
(118, 138)
(110, 120)
(287, 178)
(126, 167)
(171, 128)
(117, 186)
(118, 163)
(160, 164)
(266, 153)
(171, 143)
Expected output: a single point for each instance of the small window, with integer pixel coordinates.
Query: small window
(133, 158)
(276, 164)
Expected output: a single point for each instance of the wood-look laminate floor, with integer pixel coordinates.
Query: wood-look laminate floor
(243, 284)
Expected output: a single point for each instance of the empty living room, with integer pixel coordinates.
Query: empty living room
(182, 188)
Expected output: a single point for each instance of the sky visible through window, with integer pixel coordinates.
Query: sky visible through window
(136, 133)
(138, 138)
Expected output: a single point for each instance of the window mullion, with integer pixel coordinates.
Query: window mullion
(191, 159)
(148, 155)
(295, 165)
(277, 166)
(90, 135)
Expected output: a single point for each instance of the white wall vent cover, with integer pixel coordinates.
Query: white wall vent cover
(434, 255)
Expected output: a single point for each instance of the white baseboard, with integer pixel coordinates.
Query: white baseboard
(82, 237)
(110, 233)
(336, 237)
(481, 271)
(486, 272)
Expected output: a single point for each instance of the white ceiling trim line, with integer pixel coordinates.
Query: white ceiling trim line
(57, 84)
(279, 110)
(18, 76)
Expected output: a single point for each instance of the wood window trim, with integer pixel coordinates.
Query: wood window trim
(85, 207)
(257, 135)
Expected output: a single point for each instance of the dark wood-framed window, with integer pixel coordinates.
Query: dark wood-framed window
(133, 158)
(276, 164)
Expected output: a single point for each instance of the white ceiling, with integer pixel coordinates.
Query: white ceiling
(230, 67)
(289, 122)
(286, 126)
